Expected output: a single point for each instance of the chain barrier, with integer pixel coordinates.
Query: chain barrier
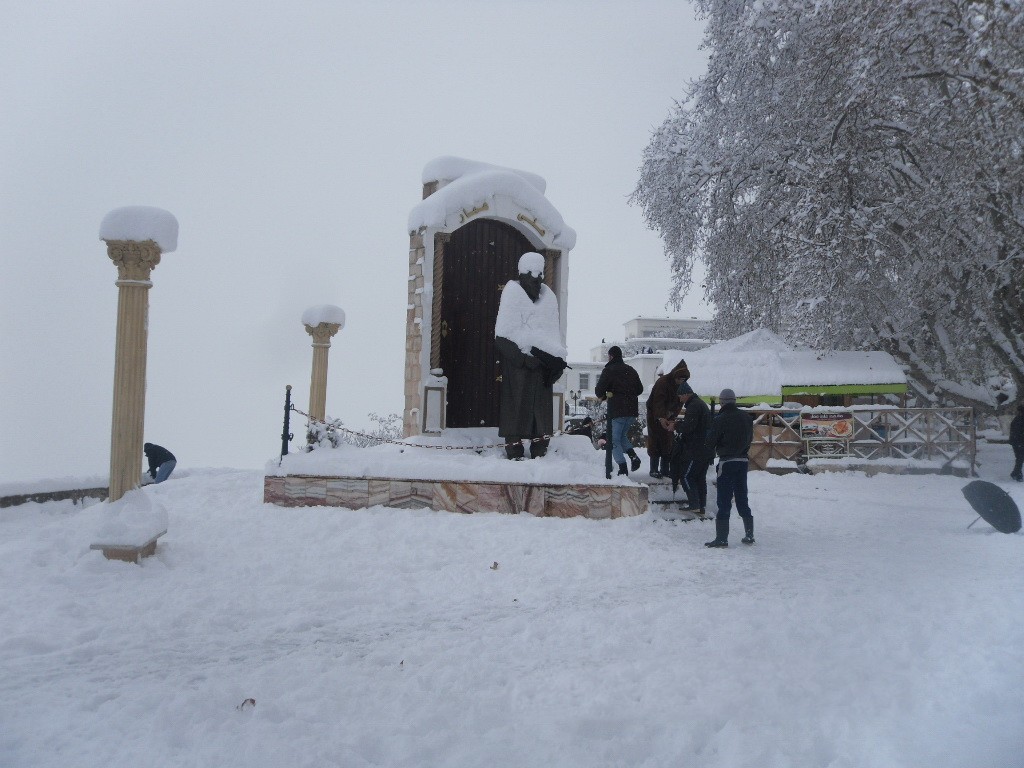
(378, 439)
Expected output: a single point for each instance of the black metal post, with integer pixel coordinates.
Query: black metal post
(286, 435)
(608, 462)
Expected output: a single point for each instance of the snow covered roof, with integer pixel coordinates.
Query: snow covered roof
(447, 169)
(465, 185)
(760, 364)
(141, 223)
(807, 367)
(324, 313)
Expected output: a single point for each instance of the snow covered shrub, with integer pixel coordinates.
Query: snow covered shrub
(333, 432)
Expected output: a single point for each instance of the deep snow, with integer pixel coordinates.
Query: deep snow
(867, 627)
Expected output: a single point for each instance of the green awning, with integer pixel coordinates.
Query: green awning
(747, 400)
(844, 389)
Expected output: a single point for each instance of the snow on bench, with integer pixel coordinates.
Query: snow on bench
(131, 526)
(130, 552)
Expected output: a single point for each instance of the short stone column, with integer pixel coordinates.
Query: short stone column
(321, 322)
(135, 237)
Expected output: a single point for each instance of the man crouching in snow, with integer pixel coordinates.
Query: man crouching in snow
(528, 338)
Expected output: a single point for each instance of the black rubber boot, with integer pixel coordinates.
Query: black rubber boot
(721, 534)
(634, 461)
(748, 527)
(622, 469)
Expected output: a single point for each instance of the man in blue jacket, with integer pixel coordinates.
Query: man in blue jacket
(690, 456)
(731, 433)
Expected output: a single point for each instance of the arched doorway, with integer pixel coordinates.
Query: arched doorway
(475, 262)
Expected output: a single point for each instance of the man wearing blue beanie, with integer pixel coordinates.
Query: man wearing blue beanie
(731, 433)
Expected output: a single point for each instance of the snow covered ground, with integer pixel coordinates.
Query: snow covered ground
(867, 627)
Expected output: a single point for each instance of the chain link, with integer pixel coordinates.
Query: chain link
(379, 439)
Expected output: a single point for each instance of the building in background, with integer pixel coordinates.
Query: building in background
(646, 341)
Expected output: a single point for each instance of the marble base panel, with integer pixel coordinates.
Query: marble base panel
(602, 502)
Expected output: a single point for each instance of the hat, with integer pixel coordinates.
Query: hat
(684, 389)
(615, 351)
(727, 396)
(531, 263)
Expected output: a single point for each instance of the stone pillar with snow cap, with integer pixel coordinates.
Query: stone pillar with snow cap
(136, 236)
(322, 322)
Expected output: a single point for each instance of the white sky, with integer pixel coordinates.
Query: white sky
(288, 141)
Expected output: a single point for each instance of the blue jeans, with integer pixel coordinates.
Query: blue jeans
(164, 471)
(732, 483)
(620, 440)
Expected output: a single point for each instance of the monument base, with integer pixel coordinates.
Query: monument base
(600, 502)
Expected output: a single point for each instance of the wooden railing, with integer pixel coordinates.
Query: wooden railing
(77, 495)
(932, 434)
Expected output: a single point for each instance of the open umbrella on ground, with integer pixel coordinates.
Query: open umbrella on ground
(993, 505)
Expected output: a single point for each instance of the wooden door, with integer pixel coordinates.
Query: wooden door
(478, 260)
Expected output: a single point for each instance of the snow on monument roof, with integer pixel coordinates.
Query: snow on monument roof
(324, 313)
(140, 223)
(448, 168)
(479, 183)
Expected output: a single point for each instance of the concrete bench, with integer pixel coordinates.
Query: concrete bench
(129, 551)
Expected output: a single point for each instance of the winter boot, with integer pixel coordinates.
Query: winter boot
(514, 450)
(622, 469)
(721, 534)
(655, 463)
(634, 461)
(538, 448)
(748, 527)
(666, 466)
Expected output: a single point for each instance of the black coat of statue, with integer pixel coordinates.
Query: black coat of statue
(526, 410)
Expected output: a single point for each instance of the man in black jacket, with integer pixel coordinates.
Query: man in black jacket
(161, 461)
(732, 431)
(1017, 443)
(690, 456)
(620, 385)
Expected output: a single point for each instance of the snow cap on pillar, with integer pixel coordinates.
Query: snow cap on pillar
(324, 313)
(141, 223)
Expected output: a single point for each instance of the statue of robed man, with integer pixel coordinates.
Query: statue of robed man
(528, 338)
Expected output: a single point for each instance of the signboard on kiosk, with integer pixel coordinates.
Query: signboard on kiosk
(827, 434)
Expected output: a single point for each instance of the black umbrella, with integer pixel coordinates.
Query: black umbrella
(994, 505)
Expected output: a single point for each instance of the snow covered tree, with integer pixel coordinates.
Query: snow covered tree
(852, 174)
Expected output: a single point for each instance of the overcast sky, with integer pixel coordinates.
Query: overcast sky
(288, 139)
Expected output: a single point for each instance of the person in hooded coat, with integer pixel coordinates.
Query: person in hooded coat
(662, 408)
(527, 337)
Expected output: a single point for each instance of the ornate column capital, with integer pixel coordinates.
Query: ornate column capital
(322, 333)
(134, 259)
